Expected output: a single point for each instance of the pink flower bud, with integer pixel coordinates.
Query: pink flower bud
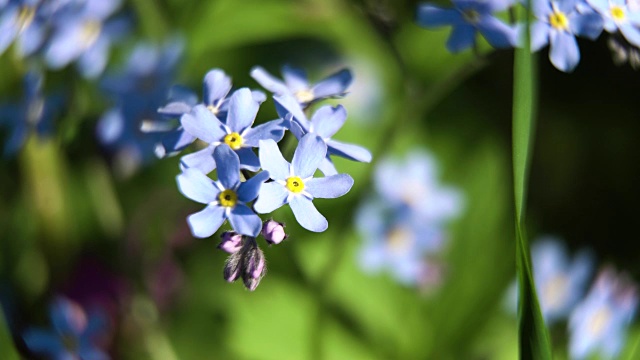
(231, 242)
(273, 232)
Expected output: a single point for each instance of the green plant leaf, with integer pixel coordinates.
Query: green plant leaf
(534, 337)
(9, 351)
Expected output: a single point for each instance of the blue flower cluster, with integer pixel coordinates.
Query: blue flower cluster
(402, 223)
(556, 23)
(247, 183)
(598, 319)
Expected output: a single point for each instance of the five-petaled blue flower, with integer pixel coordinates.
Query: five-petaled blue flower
(236, 132)
(296, 84)
(75, 334)
(325, 122)
(468, 17)
(294, 183)
(558, 23)
(599, 324)
(226, 198)
(619, 15)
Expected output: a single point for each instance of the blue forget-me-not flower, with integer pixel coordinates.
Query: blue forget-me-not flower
(469, 17)
(598, 325)
(619, 15)
(236, 132)
(26, 21)
(75, 335)
(296, 84)
(226, 198)
(294, 183)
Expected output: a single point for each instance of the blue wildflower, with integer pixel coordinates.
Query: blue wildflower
(75, 334)
(558, 23)
(225, 198)
(598, 325)
(83, 32)
(619, 15)
(297, 85)
(325, 122)
(467, 18)
(560, 282)
(294, 183)
(236, 132)
(34, 112)
(26, 22)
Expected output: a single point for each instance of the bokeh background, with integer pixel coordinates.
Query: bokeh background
(71, 225)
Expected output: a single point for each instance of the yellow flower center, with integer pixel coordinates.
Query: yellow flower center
(304, 96)
(214, 109)
(559, 21)
(617, 13)
(234, 140)
(90, 32)
(295, 184)
(471, 16)
(599, 321)
(400, 240)
(554, 293)
(25, 17)
(228, 198)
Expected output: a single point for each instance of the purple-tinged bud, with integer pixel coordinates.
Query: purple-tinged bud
(232, 267)
(254, 267)
(231, 242)
(273, 232)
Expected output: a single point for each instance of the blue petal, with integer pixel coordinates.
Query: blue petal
(258, 96)
(539, 35)
(174, 142)
(250, 189)
(271, 160)
(88, 351)
(288, 104)
(201, 160)
(268, 81)
(588, 25)
(242, 110)
(101, 9)
(228, 166)
(307, 215)
(271, 196)
(65, 46)
(295, 78)
(216, 86)
(273, 130)
(245, 221)
(328, 120)
(497, 33)
(308, 155)
(329, 187)
(334, 85)
(175, 109)
(327, 167)
(16, 139)
(201, 123)
(630, 32)
(31, 39)
(431, 16)
(206, 222)
(462, 37)
(197, 186)
(349, 151)
(248, 159)
(564, 53)
(43, 342)
(296, 128)
(94, 59)
(67, 317)
(8, 28)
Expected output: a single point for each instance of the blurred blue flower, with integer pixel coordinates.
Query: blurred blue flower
(558, 23)
(133, 129)
(26, 21)
(620, 15)
(599, 324)
(225, 198)
(236, 132)
(75, 334)
(296, 84)
(325, 122)
(560, 283)
(294, 183)
(467, 18)
(83, 32)
(34, 112)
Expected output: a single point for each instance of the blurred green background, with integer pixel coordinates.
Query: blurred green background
(62, 206)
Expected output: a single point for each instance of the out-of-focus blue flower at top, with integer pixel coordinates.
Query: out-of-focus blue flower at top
(412, 186)
(296, 84)
(294, 183)
(467, 18)
(236, 132)
(75, 335)
(81, 32)
(34, 112)
(599, 323)
(25, 21)
(619, 15)
(225, 198)
(397, 243)
(325, 122)
(560, 283)
(558, 23)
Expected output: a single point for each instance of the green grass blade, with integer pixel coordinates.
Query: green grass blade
(7, 348)
(533, 334)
